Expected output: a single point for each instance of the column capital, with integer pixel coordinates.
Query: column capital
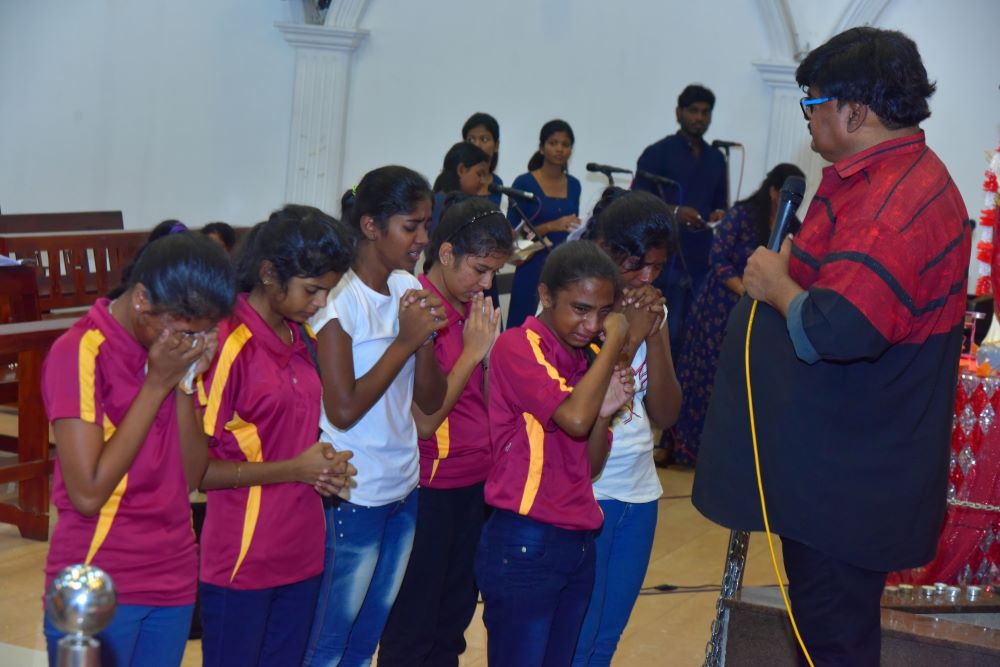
(777, 75)
(330, 38)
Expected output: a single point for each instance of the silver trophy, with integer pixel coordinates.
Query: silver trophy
(81, 602)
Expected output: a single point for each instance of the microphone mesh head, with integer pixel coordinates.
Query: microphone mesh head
(794, 188)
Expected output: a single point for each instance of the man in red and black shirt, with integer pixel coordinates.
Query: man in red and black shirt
(854, 359)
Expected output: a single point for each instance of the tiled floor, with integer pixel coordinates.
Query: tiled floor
(665, 629)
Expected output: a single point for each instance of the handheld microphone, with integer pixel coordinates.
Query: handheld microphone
(721, 143)
(606, 169)
(789, 199)
(511, 192)
(656, 178)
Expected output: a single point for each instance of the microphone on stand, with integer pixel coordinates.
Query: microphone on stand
(511, 192)
(607, 170)
(792, 191)
(656, 178)
(726, 145)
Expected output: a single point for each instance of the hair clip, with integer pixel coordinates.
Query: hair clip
(354, 190)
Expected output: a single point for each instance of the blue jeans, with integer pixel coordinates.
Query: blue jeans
(266, 626)
(139, 635)
(623, 545)
(536, 581)
(367, 549)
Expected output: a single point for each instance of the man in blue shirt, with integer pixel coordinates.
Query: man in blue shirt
(700, 194)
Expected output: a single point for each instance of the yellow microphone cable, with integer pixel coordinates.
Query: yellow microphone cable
(760, 489)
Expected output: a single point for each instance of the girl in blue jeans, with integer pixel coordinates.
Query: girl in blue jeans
(634, 228)
(376, 359)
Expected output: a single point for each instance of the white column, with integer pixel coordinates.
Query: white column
(788, 135)
(323, 56)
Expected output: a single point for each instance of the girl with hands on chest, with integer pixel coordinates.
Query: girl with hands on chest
(377, 362)
(262, 553)
(438, 595)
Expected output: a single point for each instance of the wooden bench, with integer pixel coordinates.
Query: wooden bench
(29, 342)
(74, 269)
(29, 223)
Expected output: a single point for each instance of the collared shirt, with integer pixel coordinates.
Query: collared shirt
(702, 178)
(384, 439)
(854, 432)
(702, 181)
(262, 402)
(142, 536)
(538, 470)
(458, 454)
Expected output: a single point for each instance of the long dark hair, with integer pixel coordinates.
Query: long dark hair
(463, 153)
(383, 193)
(298, 241)
(630, 223)
(758, 204)
(480, 119)
(548, 130)
(187, 275)
(473, 226)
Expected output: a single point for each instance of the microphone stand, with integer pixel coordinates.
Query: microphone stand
(686, 282)
(725, 153)
(544, 240)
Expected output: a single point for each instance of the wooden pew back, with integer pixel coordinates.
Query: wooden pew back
(32, 223)
(74, 270)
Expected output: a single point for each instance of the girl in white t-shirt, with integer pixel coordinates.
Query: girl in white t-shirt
(376, 359)
(635, 229)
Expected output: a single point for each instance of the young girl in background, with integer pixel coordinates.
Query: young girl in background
(130, 445)
(376, 361)
(554, 212)
(438, 596)
(634, 228)
(483, 130)
(262, 541)
(549, 420)
(465, 169)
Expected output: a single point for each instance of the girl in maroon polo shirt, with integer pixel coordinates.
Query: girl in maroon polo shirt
(262, 542)
(550, 413)
(129, 443)
(437, 599)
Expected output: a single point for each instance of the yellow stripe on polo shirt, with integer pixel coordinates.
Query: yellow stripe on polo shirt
(443, 435)
(110, 507)
(536, 444)
(230, 350)
(535, 341)
(90, 347)
(249, 441)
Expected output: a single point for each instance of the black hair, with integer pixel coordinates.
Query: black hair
(161, 230)
(383, 193)
(574, 261)
(225, 232)
(492, 126)
(298, 241)
(630, 223)
(473, 226)
(758, 204)
(463, 153)
(879, 68)
(548, 130)
(164, 228)
(695, 93)
(186, 275)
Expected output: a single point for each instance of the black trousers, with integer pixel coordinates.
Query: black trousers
(836, 607)
(437, 598)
